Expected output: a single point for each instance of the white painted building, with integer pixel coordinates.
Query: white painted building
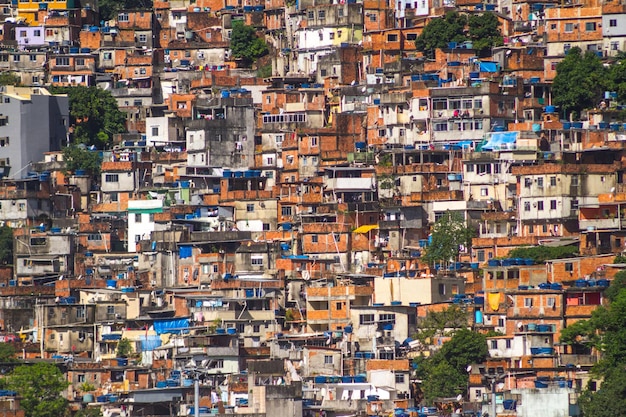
(141, 220)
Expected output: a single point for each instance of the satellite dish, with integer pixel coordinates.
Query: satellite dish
(459, 397)
(469, 368)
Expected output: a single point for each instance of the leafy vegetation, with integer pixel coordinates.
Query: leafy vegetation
(79, 157)
(124, 348)
(6, 245)
(9, 78)
(110, 8)
(40, 386)
(605, 331)
(449, 233)
(482, 29)
(95, 116)
(541, 254)
(444, 372)
(265, 71)
(7, 353)
(580, 81)
(439, 323)
(245, 44)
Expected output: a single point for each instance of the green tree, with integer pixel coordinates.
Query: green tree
(438, 323)
(89, 412)
(540, 254)
(39, 386)
(448, 233)
(110, 8)
(440, 31)
(124, 348)
(444, 374)
(245, 44)
(9, 78)
(94, 113)
(6, 245)
(7, 353)
(484, 32)
(610, 399)
(580, 81)
(79, 157)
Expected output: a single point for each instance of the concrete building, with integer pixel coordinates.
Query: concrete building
(23, 141)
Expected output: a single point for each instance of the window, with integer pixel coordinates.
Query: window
(494, 344)
(411, 36)
(250, 208)
(551, 302)
(508, 343)
(143, 38)
(107, 55)
(114, 197)
(62, 61)
(590, 26)
(94, 236)
(311, 15)
(552, 204)
(373, 17)
(4, 142)
(540, 205)
(321, 15)
(392, 37)
(314, 239)
(531, 229)
(155, 131)
(313, 141)
(328, 360)
(339, 306)
(80, 61)
(484, 192)
(552, 181)
(478, 103)
(442, 289)
(540, 182)
(33, 58)
(256, 260)
(111, 178)
(122, 17)
(574, 204)
(613, 23)
(137, 238)
(528, 182)
(81, 378)
(331, 35)
(110, 310)
(366, 319)
(526, 205)
(256, 328)
(528, 302)
(387, 318)
(340, 12)
(481, 256)
(569, 27)
(137, 217)
(569, 267)
(286, 210)
(80, 312)
(399, 378)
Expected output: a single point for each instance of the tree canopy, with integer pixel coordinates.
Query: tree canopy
(437, 323)
(109, 8)
(95, 116)
(482, 29)
(540, 254)
(6, 245)
(9, 78)
(444, 372)
(579, 82)
(449, 233)
(606, 332)
(79, 157)
(245, 44)
(40, 386)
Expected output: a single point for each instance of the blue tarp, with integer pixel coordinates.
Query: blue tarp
(176, 326)
(150, 342)
(184, 252)
(500, 140)
(489, 66)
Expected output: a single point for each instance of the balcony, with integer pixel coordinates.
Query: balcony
(599, 224)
